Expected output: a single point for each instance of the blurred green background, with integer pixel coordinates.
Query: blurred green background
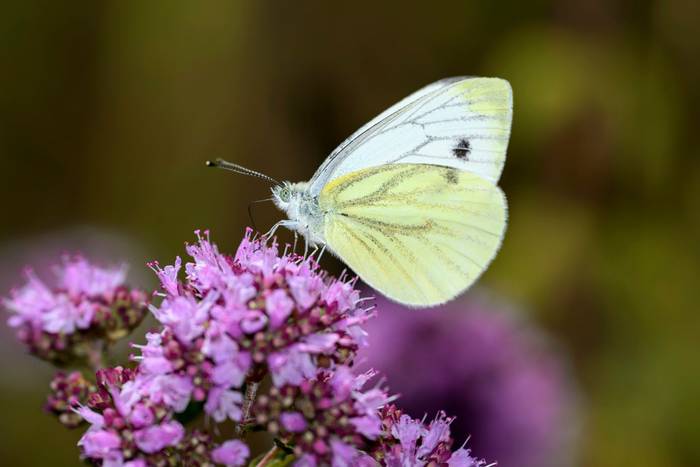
(109, 109)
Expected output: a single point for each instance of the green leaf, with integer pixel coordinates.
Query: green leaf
(284, 461)
(281, 460)
(254, 461)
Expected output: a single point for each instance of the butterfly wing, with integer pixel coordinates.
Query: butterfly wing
(418, 233)
(457, 122)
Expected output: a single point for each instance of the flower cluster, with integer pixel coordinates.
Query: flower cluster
(67, 392)
(328, 418)
(87, 303)
(126, 428)
(224, 326)
(331, 420)
(410, 442)
(240, 317)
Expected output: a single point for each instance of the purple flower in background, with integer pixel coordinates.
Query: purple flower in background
(70, 305)
(509, 393)
(83, 304)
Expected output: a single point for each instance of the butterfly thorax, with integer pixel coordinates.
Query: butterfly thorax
(302, 209)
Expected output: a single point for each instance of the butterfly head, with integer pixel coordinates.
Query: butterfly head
(301, 207)
(282, 194)
(289, 196)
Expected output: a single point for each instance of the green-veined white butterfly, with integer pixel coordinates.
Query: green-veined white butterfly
(410, 201)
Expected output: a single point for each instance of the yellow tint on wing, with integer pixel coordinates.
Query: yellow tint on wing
(419, 234)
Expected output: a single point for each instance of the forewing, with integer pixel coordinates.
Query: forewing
(419, 234)
(458, 122)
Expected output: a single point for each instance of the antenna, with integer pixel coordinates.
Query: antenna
(250, 210)
(239, 169)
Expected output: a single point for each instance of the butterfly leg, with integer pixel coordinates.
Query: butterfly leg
(314, 251)
(296, 237)
(306, 246)
(272, 230)
(320, 255)
(282, 223)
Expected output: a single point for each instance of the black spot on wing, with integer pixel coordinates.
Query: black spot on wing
(462, 149)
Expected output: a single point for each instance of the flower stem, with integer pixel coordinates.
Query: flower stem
(95, 355)
(268, 456)
(251, 390)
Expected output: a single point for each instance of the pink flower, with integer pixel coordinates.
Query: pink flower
(141, 416)
(305, 287)
(319, 342)
(232, 453)
(462, 458)
(65, 316)
(250, 313)
(291, 366)
(218, 345)
(155, 438)
(330, 427)
(421, 445)
(68, 392)
(293, 422)
(185, 315)
(129, 418)
(407, 431)
(343, 383)
(231, 372)
(168, 275)
(210, 269)
(370, 426)
(90, 416)
(152, 358)
(223, 403)
(30, 302)
(232, 320)
(253, 321)
(134, 463)
(100, 444)
(79, 277)
(278, 306)
(345, 455)
(172, 390)
(306, 460)
(85, 303)
(342, 295)
(437, 432)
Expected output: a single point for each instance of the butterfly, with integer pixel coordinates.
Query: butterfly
(410, 200)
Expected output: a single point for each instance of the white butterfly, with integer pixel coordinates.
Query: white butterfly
(410, 201)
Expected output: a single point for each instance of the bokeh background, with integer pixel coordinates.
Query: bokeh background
(109, 109)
